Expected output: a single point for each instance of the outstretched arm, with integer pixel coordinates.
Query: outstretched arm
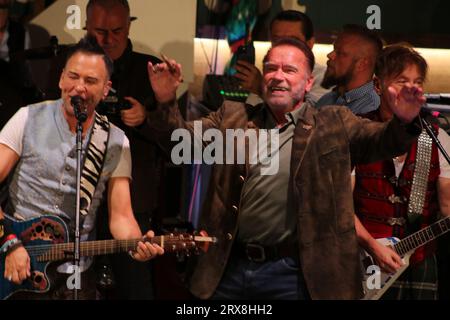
(165, 78)
(373, 141)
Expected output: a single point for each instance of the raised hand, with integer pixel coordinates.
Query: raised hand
(165, 78)
(406, 103)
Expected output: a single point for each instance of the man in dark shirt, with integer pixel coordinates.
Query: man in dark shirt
(109, 21)
(16, 85)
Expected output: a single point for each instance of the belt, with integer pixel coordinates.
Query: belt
(260, 253)
(391, 221)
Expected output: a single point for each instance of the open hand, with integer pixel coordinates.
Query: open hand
(406, 103)
(165, 78)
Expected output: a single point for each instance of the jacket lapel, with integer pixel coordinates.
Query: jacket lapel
(255, 121)
(302, 136)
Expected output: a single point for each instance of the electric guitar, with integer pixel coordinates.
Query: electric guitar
(46, 240)
(404, 248)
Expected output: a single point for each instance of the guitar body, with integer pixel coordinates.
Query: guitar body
(405, 248)
(386, 279)
(44, 230)
(46, 240)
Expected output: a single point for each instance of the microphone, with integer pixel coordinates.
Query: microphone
(438, 98)
(78, 107)
(439, 102)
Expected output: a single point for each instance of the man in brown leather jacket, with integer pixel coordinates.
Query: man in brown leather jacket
(288, 235)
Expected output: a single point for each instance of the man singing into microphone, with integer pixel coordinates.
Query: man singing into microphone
(110, 22)
(37, 153)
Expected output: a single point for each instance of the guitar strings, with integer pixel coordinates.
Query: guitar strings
(99, 245)
(422, 237)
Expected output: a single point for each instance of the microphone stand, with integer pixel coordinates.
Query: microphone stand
(81, 117)
(433, 137)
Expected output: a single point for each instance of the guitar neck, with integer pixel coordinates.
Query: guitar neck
(423, 236)
(62, 251)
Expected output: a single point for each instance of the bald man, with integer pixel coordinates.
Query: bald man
(350, 68)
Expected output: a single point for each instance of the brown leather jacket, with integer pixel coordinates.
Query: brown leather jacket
(325, 144)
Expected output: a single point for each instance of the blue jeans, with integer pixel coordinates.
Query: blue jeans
(271, 280)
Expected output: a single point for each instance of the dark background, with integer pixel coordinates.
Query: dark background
(421, 23)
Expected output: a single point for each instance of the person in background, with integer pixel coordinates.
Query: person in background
(289, 23)
(389, 202)
(289, 234)
(350, 68)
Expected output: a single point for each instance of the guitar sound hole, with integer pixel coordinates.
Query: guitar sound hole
(38, 279)
(48, 228)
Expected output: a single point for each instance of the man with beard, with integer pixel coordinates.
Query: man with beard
(350, 69)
